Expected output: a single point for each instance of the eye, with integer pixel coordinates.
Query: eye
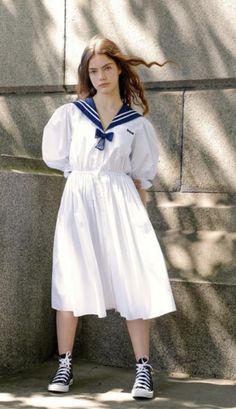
(92, 71)
(108, 68)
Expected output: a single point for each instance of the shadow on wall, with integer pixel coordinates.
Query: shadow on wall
(200, 338)
(199, 37)
(30, 57)
(192, 129)
(196, 129)
(43, 64)
(197, 138)
(32, 43)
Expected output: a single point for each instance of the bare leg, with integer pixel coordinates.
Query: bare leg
(66, 328)
(139, 334)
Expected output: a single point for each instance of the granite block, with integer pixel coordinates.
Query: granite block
(166, 116)
(22, 120)
(28, 213)
(200, 256)
(199, 339)
(199, 36)
(197, 233)
(209, 147)
(31, 43)
(181, 211)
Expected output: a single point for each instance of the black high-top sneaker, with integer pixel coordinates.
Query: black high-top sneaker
(143, 385)
(63, 377)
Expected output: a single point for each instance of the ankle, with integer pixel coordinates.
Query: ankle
(142, 359)
(66, 353)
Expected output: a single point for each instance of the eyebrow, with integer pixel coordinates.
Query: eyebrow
(105, 65)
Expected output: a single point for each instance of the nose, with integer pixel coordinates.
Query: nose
(102, 75)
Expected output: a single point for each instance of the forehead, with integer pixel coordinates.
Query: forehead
(98, 60)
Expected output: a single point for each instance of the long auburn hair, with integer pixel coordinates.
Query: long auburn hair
(131, 88)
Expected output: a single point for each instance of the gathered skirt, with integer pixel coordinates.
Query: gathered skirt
(106, 254)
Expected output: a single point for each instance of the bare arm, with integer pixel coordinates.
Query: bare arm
(143, 195)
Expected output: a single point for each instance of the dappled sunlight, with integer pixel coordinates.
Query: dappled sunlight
(14, 144)
(22, 128)
(176, 390)
(216, 325)
(44, 401)
(42, 60)
(197, 234)
(204, 255)
(192, 204)
(166, 111)
(180, 259)
(198, 337)
(207, 48)
(55, 29)
(11, 7)
(128, 30)
(211, 251)
(48, 54)
(211, 141)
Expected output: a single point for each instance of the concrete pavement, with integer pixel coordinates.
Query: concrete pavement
(102, 387)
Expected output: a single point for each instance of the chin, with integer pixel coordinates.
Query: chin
(105, 91)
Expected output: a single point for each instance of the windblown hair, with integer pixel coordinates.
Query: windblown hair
(131, 88)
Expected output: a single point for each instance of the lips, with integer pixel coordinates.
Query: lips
(105, 84)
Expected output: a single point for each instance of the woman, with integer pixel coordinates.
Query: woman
(106, 254)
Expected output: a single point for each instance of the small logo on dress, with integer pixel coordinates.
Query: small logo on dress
(128, 130)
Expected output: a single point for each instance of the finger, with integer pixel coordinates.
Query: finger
(137, 183)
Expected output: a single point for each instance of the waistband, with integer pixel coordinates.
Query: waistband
(98, 173)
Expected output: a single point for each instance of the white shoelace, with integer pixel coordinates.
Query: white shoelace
(143, 376)
(63, 373)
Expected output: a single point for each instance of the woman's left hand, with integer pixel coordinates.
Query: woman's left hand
(137, 183)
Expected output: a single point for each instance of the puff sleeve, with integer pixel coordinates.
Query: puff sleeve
(144, 155)
(57, 139)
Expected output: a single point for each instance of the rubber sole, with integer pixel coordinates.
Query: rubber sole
(142, 393)
(59, 388)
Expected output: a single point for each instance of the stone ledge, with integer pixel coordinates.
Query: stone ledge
(179, 85)
(193, 199)
(192, 211)
(32, 89)
(19, 164)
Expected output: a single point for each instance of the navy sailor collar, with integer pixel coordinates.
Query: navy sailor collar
(88, 107)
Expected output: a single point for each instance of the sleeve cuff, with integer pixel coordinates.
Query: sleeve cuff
(145, 183)
(67, 173)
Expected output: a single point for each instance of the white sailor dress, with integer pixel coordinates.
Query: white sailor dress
(106, 254)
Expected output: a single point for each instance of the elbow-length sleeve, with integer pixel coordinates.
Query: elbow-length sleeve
(57, 139)
(144, 155)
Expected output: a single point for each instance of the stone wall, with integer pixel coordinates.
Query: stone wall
(192, 203)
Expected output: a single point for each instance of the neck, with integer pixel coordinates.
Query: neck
(108, 100)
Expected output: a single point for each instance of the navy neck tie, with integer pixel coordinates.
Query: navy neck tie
(103, 136)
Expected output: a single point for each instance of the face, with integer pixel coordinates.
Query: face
(104, 74)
